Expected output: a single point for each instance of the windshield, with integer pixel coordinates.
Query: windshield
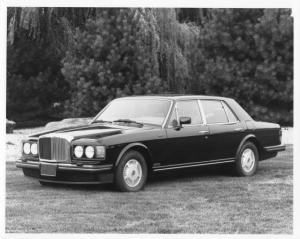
(146, 111)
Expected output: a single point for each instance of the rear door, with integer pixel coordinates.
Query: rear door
(187, 144)
(226, 130)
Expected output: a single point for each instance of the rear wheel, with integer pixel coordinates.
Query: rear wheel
(131, 173)
(247, 160)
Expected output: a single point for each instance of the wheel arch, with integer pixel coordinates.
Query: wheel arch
(141, 148)
(251, 138)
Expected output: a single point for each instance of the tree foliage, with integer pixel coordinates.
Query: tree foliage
(111, 58)
(34, 80)
(84, 57)
(247, 54)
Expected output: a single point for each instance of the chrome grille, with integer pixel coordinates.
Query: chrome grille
(54, 148)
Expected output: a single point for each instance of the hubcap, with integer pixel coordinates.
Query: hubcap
(132, 173)
(248, 160)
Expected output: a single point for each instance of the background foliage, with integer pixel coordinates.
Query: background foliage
(71, 61)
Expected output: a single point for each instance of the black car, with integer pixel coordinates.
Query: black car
(134, 136)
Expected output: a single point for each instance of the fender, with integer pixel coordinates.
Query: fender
(126, 148)
(243, 141)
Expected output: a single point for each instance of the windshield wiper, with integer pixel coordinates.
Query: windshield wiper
(128, 121)
(102, 121)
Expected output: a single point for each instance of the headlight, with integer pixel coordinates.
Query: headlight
(89, 152)
(26, 148)
(33, 148)
(100, 152)
(78, 151)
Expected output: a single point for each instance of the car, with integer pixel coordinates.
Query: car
(135, 136)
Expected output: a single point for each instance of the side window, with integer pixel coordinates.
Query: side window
(189, 109)
(230, 114)
(214, 111)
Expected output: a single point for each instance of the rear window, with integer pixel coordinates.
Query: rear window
(231, 116)
(214, 111)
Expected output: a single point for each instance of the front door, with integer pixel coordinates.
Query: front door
(187, 144)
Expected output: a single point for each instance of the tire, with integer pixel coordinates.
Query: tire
(247, 160)
(134, 166)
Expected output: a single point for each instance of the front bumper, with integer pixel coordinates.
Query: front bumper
(68, 173)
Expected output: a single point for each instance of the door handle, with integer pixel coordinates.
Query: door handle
(239, 129)
(203, 132)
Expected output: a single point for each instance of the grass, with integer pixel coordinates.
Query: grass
(203, 200)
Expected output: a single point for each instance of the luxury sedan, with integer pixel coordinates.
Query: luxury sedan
(134, 136)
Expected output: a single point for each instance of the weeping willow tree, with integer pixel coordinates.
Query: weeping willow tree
(174, 44)
(52, 24)
(37, 39)
(48, 33)
(58, 24)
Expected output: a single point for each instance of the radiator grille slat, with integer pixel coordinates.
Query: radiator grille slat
(54, 148)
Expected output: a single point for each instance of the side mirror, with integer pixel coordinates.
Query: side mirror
(182, 120)
(185, 120)
(176, 125)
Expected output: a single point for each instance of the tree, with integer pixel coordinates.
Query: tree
(247, 54)
(37, 39)
(41, 23)
(83, 57)
(112, 57)
(34, 81)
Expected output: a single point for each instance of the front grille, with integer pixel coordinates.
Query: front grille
(54, 148)
(45, 148)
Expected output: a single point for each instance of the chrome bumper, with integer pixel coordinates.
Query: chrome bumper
(275, 148)
(65, 167)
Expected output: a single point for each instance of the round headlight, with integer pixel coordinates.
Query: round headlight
(33, 148)
(78, 151)
(89, 152)
(26, 148)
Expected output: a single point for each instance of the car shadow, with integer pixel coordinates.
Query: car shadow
(90, 187)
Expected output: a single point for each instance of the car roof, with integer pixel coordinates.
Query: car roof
(241, 113)
(175, 97)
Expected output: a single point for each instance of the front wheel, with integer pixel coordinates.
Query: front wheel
(131, 173)
(247, 160)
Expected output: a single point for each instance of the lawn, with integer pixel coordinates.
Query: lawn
(203, 200)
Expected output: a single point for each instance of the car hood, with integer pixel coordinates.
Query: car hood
(92, 131)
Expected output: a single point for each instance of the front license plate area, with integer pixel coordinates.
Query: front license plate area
(48, 170)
